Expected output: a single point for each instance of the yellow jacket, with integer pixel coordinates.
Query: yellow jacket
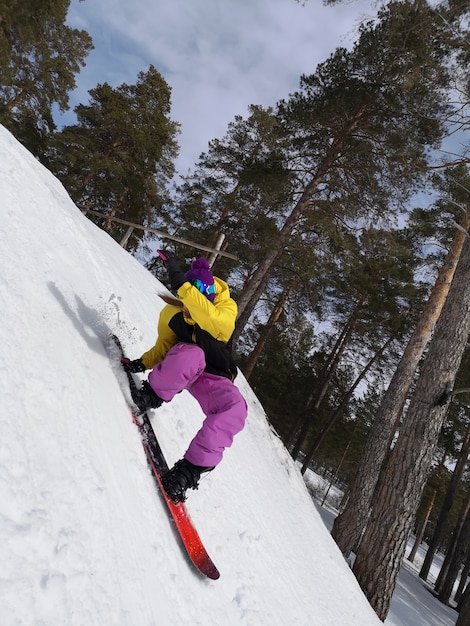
(216, 320)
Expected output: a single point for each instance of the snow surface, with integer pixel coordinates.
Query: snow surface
(85, 539)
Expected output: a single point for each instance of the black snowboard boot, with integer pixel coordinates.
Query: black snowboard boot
(181, 477)
(145, 397)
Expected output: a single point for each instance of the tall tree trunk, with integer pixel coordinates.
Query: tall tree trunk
(464, 609)
(382, 548)
(446, 506)
(214, 236)
(463, 578)
(349, 525)
(455, 555)
(272, 321)
(333, 478)
(303, 422)
(250, 294)
(326, 374)
(422, 526)
(342, 406)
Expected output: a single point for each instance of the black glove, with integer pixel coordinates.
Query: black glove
(133, 366)
(171, 264)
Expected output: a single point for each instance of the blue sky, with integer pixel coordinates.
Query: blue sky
(218, 56)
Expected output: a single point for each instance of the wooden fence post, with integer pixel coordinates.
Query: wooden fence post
(125, 239)
(218, 245)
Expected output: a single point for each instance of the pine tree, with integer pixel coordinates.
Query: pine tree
(118, 158)
(456, 553)
(397, 496)
(359, 127)
(238, 188)
(39, 58)
(349, 525)
(371, 296)
(464, 609)
(454, 483)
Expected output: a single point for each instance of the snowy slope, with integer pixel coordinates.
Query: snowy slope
(84, 537)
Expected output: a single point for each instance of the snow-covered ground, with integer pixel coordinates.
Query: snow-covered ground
(412, 603)
(84, 538)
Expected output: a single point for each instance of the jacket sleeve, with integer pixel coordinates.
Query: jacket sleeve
(166, 338)
(217, 319)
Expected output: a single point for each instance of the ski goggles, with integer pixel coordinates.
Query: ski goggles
(207, 290)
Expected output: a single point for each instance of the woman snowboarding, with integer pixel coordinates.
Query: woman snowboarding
(193, 352)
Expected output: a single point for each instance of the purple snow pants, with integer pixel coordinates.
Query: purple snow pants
(222, 403)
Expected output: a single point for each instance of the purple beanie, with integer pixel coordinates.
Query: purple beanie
(201, 271)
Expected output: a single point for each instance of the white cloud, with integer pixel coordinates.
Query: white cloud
(218, 57)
